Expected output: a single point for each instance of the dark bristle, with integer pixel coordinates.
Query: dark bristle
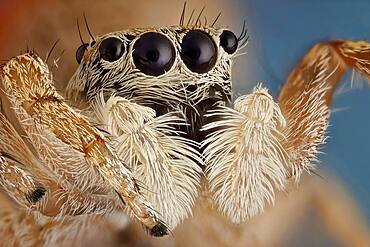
(137, 187)
(190, 18)
(182, 17)
(79, 32)
(159, 230)
(244, 42)
(87, 27)
(216, 19)
(140, 186)
(102, 130)
(51, 50)
(244, 32)
(243, 38)
(198, 18)
(120, 197)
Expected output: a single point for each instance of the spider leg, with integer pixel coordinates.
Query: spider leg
(18, 183)
(260, 145)
(244, 156)
(35, 190)
(20, 227)
(29, 183)
(27, 80)
(306, 97)
(167, 164)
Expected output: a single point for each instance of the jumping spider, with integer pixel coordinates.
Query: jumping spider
(153, 122)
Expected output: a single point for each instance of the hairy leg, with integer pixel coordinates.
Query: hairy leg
(260, 145)
(27, 82)
(20, 227)
(166, 163)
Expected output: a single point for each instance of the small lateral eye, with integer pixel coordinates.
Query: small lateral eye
(229, 41)
(111, 49)
(153, 54)
(80, 52)
(198, 51)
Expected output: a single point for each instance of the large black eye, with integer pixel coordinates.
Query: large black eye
(111, 49)
(80, 52)
(153, 54)
(198, 51)
(229, 41)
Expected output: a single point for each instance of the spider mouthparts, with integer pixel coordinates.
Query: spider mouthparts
(159, 230)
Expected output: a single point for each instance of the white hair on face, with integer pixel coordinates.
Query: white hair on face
(167, 164)
(244, 157)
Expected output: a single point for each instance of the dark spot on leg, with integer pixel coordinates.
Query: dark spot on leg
(36, 195)
(159, 230)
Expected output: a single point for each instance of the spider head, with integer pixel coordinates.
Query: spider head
(167, 69)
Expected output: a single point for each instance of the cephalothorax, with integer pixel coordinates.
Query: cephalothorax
(155, 124)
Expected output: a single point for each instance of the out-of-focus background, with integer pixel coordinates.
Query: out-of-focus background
(280, 34)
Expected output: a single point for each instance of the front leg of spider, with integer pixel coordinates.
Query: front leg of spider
(260, 145)
(245, 158)
(26, 81)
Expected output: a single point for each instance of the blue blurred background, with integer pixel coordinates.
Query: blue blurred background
(280, 34)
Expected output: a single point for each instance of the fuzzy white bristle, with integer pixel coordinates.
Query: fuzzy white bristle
(165, 163)
(244, 157)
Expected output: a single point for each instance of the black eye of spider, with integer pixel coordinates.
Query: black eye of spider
(111, 49)
(153, 54)
(198, 51)
(80, 52)
(229, 41)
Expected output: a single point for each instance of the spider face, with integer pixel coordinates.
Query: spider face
(167, 69)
